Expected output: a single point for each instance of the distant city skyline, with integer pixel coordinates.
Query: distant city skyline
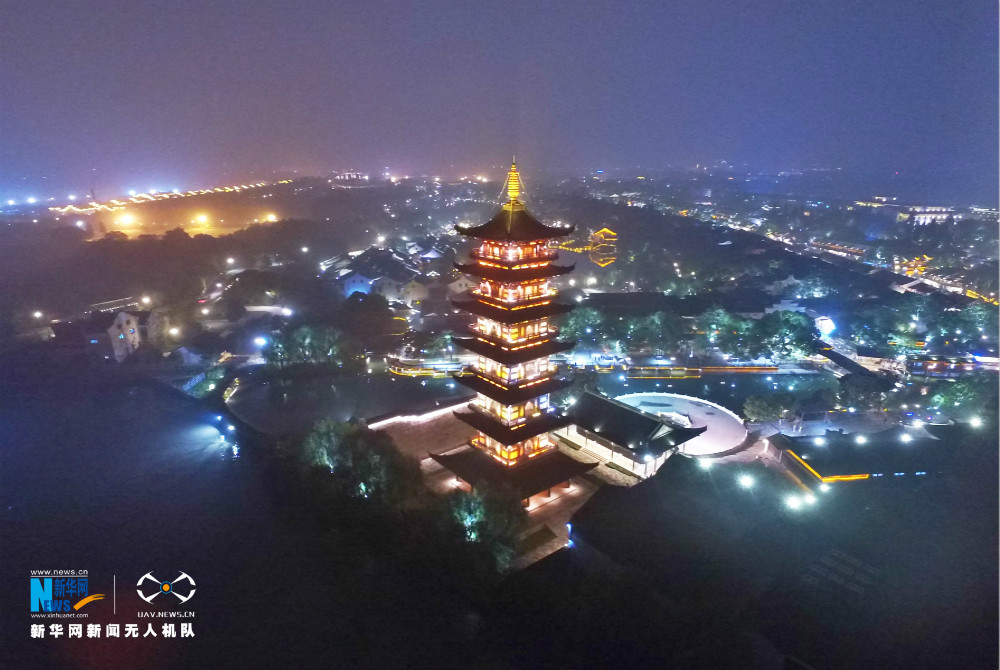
(116, 96)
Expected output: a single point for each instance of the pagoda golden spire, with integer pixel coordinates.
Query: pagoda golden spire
(513, 183)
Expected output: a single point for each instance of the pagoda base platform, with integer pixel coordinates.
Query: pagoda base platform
(541, 473)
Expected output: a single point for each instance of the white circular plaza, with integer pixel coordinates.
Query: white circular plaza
(724, 429)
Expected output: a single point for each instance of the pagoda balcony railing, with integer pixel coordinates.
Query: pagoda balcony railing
(519, 422)
(514, 356)
(510, 345)
(515, 384)
(491, 426)
(545, 256)
(517, 302)
(524, 273)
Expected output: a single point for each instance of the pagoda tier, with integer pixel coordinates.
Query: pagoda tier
(506, 435)
(514, 224)
(515, 273)
(515, 314)
(519, 354)
(510, 394)
(512, 336)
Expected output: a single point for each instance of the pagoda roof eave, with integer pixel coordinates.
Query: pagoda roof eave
(538, 474)
(514, 224)
(515, 356)
(505, 435)
(512, 275)
(511, 316)
(511, 396)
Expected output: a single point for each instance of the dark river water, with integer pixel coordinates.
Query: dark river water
(120, 479)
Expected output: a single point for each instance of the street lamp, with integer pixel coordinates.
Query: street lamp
(145, 300)
(175, 331)
(37, 315)
(746, 481)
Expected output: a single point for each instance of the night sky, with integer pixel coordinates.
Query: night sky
(139, 95)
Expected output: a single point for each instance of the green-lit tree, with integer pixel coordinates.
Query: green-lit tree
(785, 334)
(363, 463)
(731, 333)
(492, 517)
(575, 324)
(862, 391)
(967, 396)
(763, 408)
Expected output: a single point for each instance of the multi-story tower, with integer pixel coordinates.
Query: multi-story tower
(512, 334)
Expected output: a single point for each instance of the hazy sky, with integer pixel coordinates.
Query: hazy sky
(120, 95)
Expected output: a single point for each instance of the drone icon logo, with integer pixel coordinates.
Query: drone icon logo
(165, 587)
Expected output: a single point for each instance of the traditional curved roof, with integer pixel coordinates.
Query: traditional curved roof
(538, 474)
(506, 435)
(628, 427)
(514, 394)
(512, 316)
(512, 357)
(512, 275)
(513, 223)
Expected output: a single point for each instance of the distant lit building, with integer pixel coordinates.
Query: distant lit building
(376, 270)
(922, 216)
(856, 252)
(125, 333)
(604, 247)
(351, 177)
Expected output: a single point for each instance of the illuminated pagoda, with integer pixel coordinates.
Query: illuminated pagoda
(512, 335)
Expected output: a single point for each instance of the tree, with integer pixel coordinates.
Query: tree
(785, 334)
(979, 319)
(813, 286)
(365, 317)
(763, 408)
(857, 390)
(731, 333)
(969, 395)
(363, 463)
(439, 346)
(492, 517)
(579, 320)
(308, 344)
